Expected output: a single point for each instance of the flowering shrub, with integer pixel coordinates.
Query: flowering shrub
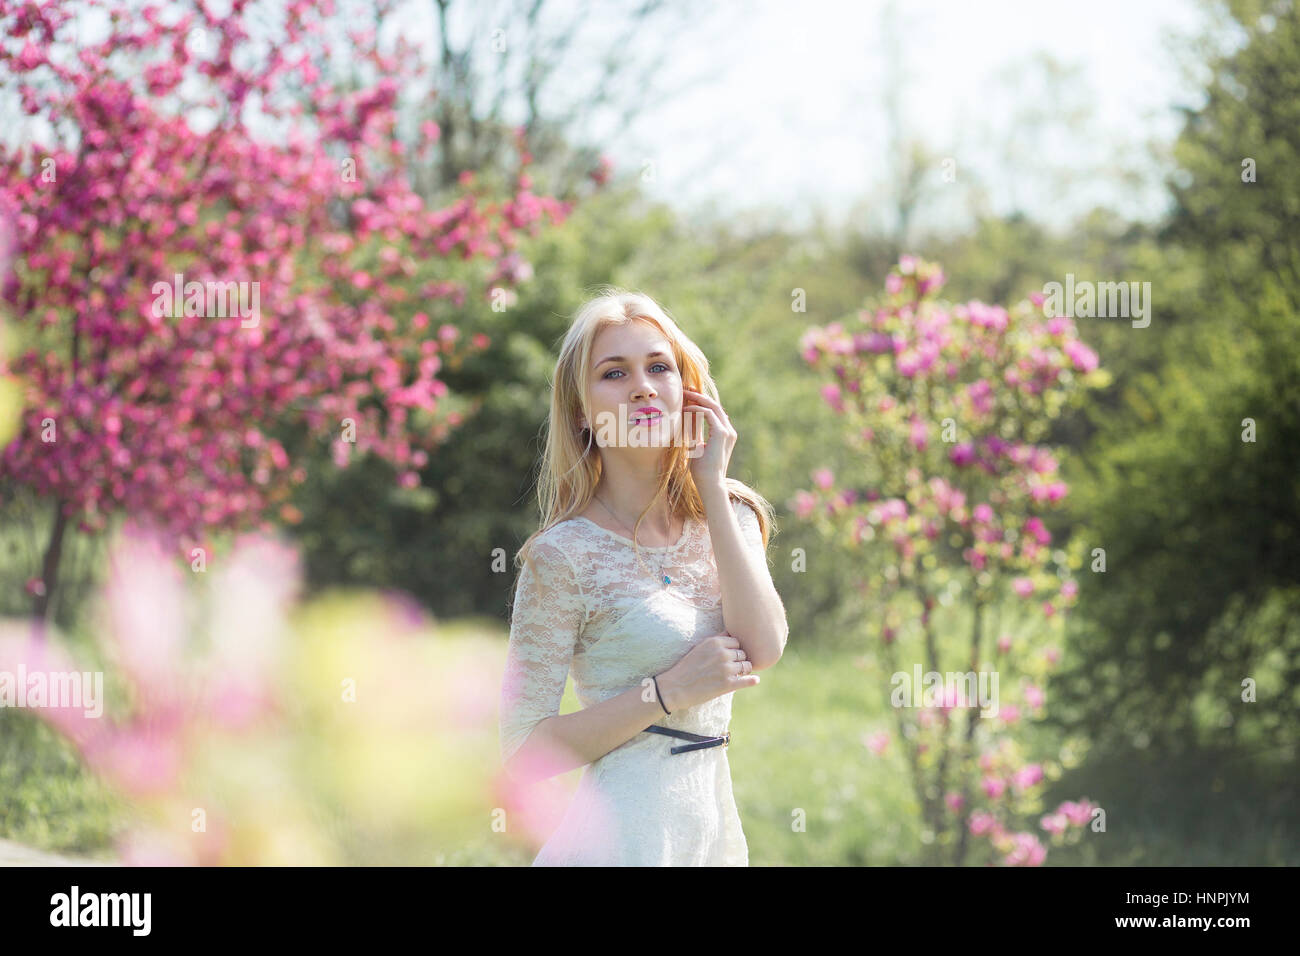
(950, 408)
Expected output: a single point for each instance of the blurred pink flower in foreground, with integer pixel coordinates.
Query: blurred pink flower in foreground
(280, 728)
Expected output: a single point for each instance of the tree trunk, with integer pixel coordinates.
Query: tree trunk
(50, 567)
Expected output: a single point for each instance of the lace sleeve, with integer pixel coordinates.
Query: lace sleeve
(547, 619)
(749, 528)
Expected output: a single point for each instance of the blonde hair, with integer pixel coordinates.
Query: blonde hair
(571, 467)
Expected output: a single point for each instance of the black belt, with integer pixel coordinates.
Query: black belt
(701, 742)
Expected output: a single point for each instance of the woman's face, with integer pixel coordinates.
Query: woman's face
(627, 381)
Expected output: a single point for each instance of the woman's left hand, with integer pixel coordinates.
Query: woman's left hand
(709, 466)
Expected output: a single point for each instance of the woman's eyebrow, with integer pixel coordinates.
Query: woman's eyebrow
(619, 358)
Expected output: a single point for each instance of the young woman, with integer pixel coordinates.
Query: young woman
(648, 577)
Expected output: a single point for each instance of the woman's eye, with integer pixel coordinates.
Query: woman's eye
(662, 365)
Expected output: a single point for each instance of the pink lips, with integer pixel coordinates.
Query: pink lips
(645, 412)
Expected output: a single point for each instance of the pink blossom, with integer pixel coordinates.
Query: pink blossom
(1028, 851)
(993, 787)
(1033, 696)
(1023, 586)
(1004, 643)
(981, 821)
(877, 743)
(1077, 814)
(1084, 358)
(919, 434)
(805, 504)
(1035, 527)
(962, 454)
(823, 477)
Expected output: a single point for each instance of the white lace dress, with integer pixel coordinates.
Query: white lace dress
(583, 602)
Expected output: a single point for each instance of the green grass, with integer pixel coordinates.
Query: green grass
(47, 799)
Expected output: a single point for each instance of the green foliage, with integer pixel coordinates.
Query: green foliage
(1201, 526)
(47, 798)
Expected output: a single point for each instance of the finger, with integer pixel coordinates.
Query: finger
(708, 402)
(696, 424)
(728, 640)
(715, 423)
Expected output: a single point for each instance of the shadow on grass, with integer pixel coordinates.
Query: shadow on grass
(1207, 808)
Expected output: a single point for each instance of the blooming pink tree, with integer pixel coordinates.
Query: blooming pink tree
(197, 306)
(950, 408)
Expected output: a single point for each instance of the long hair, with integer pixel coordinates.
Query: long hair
(570, 466)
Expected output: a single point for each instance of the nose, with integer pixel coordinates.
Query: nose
(644, 391)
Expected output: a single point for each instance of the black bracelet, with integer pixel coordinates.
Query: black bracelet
(660, 696)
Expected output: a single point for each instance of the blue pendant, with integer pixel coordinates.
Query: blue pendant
(667, 579)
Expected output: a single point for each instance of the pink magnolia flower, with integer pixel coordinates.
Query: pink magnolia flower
(993, 786)
(1035, 527)
(919, 434)
(1027, 851)
(1027, 776)
(805, 504)
(1084, 358)
(1023, 586)
(1054, 822)
(1078, 814)
(981, 822)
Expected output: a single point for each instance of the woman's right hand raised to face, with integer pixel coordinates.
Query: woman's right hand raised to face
(715, 666)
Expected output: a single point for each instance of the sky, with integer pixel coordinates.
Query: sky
(773, 109)
(796, 121)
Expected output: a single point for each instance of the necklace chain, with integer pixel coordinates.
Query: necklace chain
(662, 577)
